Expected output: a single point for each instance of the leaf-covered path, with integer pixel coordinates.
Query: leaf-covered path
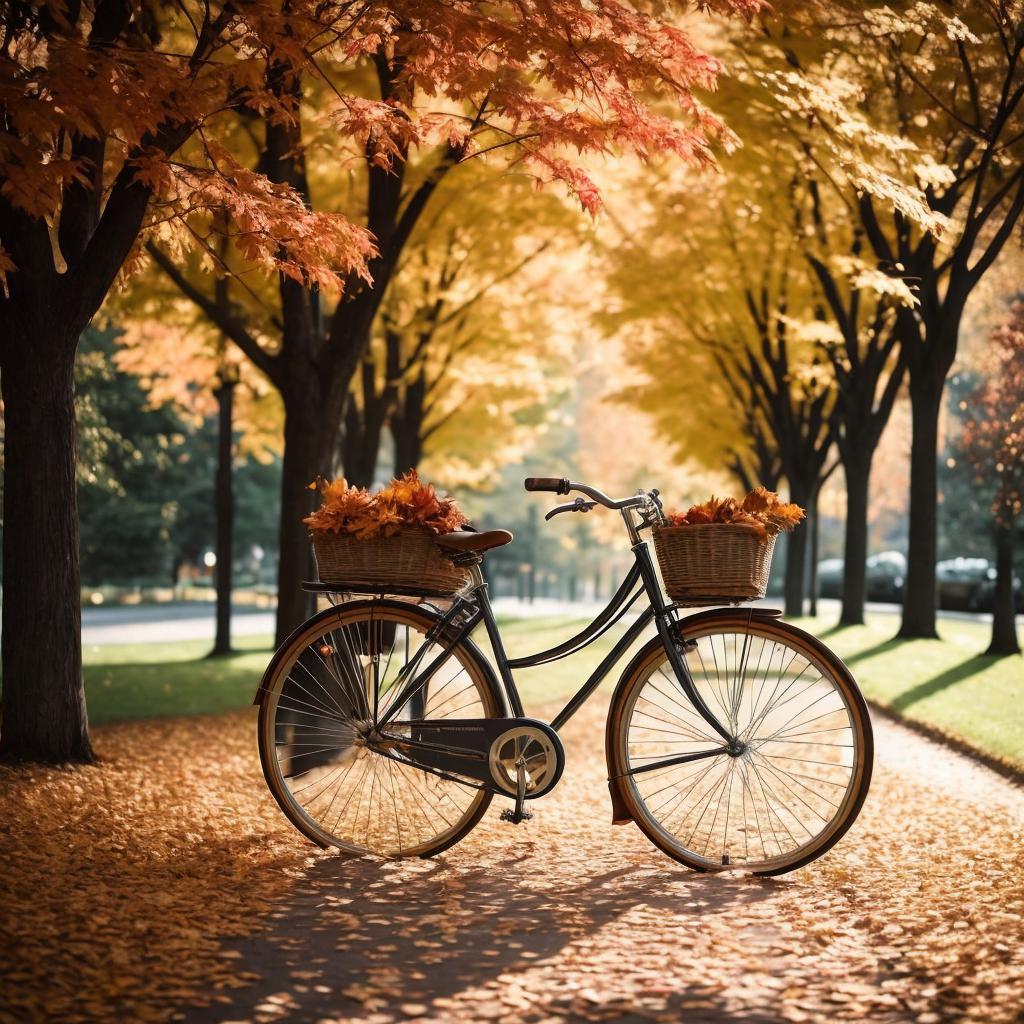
(917, 915)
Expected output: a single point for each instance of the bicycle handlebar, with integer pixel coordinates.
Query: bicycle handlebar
(564, 486)
(560, 485)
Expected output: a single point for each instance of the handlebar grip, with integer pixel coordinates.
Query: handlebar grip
(560, 485)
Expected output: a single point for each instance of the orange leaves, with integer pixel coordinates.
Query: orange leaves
(406, 501)
(270, 224)
(761, 509)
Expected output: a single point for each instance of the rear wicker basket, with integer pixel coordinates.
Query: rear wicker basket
(408, 561)
(715, 563)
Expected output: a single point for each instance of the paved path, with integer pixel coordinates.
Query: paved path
(918, 915)
(168, 623)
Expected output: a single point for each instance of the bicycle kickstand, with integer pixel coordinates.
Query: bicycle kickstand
(519, 814)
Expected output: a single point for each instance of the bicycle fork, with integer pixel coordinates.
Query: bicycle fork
(675, 647)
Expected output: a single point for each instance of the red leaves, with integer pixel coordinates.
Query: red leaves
(761, 509)
(269, 223)
(993, 435)
(406, 501)
(537, 82)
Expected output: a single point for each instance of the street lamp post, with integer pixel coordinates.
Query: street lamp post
(227, 381)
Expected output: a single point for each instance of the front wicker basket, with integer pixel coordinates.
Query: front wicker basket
(410, 560)
(714, 563)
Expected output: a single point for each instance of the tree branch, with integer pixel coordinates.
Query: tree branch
(221, 317)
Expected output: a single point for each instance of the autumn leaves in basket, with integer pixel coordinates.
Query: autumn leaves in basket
(761, 509)
(406, 501)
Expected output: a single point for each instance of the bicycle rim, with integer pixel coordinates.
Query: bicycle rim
(340, 671)
(802, 776)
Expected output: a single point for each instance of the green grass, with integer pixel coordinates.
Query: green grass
(947, 683)
(126, 681)
(154, 680)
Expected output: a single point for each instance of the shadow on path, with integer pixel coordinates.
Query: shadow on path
(385, 941)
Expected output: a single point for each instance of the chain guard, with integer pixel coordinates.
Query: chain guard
(482, 749)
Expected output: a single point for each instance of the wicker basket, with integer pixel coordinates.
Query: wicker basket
(410, 560)
(714, 563)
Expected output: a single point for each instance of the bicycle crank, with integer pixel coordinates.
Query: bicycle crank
(517, 757)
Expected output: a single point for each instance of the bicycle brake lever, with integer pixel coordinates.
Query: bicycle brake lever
(579, 505)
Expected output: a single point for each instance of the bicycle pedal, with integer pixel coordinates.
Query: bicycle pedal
(508, 814)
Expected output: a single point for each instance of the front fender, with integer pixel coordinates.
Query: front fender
(620, 810)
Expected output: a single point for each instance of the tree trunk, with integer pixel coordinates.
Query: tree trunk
(919, 595)
(796, 559)
(407, 425)
(358, 452)
(225, 504)
(1004, 614)
(302, 463)
(855, 551)
(812, 562)
(43, 712)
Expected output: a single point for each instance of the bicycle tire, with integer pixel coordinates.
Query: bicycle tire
(622, 763)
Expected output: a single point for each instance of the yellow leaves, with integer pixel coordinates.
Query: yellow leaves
(761, 509)
(406, 501)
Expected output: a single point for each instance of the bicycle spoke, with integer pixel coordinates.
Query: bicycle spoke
(334, 775)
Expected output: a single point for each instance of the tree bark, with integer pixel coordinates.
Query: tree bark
(304, 459)
(796, 559)
(1004, 614)
(855, 550)
(225, 505)
(812, 561)
(919, 595)
(407, 425)
(43, 712)
(358, 451)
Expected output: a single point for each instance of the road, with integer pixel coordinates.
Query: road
(915, 916)
(168, 623)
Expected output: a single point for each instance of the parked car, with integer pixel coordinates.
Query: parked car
(830, 577)
(886, 573)
(969, 584)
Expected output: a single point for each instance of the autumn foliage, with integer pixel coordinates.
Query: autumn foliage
(761, 509)
(993, 437)
(406, 501)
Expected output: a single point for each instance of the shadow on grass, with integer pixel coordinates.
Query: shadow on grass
(869, 652)
(952, 676)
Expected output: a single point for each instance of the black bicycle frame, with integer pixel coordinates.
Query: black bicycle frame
(466, 613)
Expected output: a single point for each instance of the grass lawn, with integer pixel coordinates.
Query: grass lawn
(127, 681)
(946, 683)
(943, 683)
(155, 680)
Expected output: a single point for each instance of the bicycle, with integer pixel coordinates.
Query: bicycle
(734, 740)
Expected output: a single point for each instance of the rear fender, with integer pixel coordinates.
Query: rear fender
(620, 810)
(486, 669)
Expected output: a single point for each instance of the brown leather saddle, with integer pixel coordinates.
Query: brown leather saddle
(472, 540)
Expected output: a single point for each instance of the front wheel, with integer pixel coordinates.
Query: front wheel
(793, 783)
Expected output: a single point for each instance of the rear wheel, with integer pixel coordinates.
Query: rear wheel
(792, 786)
(322, 694)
